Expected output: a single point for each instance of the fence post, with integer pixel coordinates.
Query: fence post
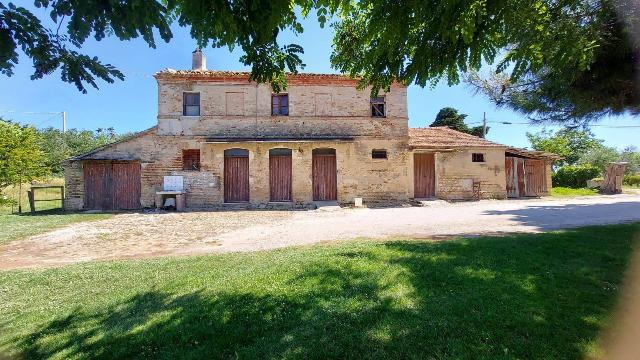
(32, 204)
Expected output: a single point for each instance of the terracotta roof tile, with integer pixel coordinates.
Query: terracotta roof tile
(442, 137)
(241, 74)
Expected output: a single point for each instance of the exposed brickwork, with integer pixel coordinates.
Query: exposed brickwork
(319, 106)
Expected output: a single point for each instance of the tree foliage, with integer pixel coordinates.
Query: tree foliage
(450, 117)
(58, 146)
(560, 60)
(21, 159)
(571, 144)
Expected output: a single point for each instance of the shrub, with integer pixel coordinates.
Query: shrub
(574, 176)
(632, 180)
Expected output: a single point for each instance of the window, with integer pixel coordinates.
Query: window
(477, 157)
(377, 107)
(191, 104)
(379, 154)
(191, 159)
(280, 104)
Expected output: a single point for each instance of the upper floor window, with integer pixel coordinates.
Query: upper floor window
(377, 107)
(280, 104)
(191, 159)
(191, 104)
(477, 157)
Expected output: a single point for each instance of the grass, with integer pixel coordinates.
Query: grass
(16, 227)
(566, 192)
(542, 296)
(13, 192)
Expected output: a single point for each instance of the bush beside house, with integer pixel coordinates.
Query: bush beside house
(574, 176)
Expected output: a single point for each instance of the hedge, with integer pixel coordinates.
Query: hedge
(574, 176)
(632, 180)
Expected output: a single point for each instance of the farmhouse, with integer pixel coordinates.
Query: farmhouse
(221, 139)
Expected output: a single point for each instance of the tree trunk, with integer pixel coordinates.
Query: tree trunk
(613, 178)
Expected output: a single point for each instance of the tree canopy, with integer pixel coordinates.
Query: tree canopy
(555, 57)
(450, 117)
(21, 159)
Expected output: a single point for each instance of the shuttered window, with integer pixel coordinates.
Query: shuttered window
(191, 159)
(191, 104)
(280, 104)
(378, 107)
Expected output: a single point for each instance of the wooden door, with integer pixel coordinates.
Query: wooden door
(535, 179)
(520, 173)
(236, 178)
(324, 175)
(126, 185)
(424, 175)
(111, 185)
(511, 174)
(280, 177)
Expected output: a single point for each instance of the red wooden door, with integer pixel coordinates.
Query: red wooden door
(280, 177)
(236, 178)
(512, 182)
(424, 175)
(534, 177)
(522, 186)
(111, 186)
(126, 185)
(324, 177)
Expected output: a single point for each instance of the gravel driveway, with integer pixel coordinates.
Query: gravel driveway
(149, 235)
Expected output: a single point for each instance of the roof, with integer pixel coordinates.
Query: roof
(219, 75)
(93, 154)
(532, 154)
(442, 137)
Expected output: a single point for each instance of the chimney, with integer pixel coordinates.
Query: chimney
(198, 60)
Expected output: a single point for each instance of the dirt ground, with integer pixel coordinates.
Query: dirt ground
(148, 235)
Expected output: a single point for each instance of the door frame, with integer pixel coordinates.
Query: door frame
(236, 153)
(280, 153)
(429, 193)
(316, 154)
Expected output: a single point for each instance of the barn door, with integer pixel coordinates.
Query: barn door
(111, 186)
(534, 177)
(324, 175)
(236, 175)
(280, 174)
(126, 185)
(512, 178)
(424, 175)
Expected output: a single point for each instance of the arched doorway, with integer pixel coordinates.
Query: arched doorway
(236, 175)
(280, 174)
(324, 175)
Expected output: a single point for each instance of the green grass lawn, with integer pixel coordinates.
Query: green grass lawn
(15, 227)
(565, 192)
(544, 296)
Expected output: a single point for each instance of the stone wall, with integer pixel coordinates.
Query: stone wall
(455, 174)
(358, 175)
(243, 109)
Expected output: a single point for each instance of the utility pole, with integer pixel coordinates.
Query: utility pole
(64, 121)
(484, 124)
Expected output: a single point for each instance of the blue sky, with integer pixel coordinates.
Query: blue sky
(131, 105)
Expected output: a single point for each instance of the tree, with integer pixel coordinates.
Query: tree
(600, 157)
(58, 146)
(566, 61)
(571, 144)
(21, 159)
(450, 117)
(555, 50)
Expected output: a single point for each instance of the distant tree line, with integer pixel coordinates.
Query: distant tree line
(27, 153)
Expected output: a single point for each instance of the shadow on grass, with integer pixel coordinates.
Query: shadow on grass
(529, 296)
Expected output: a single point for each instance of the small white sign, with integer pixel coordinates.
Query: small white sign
(173, 183)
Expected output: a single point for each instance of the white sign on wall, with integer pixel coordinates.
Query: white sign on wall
(173, 183)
